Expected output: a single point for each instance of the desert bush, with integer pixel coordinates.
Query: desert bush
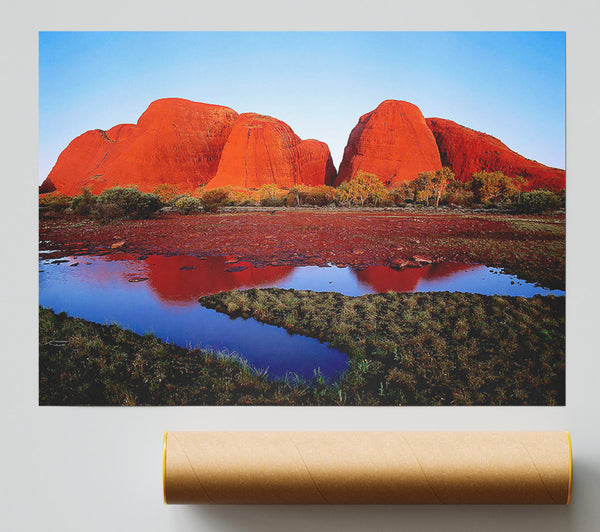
(239, 197)
(270, 195)
(166, 192)
(271, 202)
(290, 199)
(539, 201)
(320, 195)
(130, 201)
(401, 194)
(200, 189)
(492, 188)
(215, 199)
(362, 189)
(187, 204)
(84, 203)
(457, 194)
(107, 212)
(54, 202)
(430, 186)
(296, 195)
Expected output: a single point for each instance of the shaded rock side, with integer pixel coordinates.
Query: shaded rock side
(467, 151)
(263, 150)
(175, 141)
(393, 142)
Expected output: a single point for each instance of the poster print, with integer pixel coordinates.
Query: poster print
(302, 218)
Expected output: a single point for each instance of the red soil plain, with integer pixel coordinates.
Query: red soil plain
(532, 247)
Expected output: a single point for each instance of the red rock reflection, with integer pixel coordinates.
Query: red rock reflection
(385, 279)
(183, 279)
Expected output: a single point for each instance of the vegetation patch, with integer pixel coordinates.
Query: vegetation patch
(85, 363)
(425, 348)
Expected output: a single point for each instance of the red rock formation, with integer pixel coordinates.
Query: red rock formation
(183, 279)
(75, 166)
(393, 142)
(263, 150)
(175, 141)
(47, 186)
(467, 151)
(385, 279)
(315, 163)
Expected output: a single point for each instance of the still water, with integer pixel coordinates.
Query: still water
(159, 295)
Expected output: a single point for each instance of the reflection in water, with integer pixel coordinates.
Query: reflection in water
(100, 289)
(184, 278)
(159, 295)
(385, 279)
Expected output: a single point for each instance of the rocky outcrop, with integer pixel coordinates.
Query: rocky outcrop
(393, 142)
(174, 141)
(46, 187)
(467, 151)
(263, 150)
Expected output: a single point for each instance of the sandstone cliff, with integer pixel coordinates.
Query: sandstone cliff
(263, 150)
(393, 142)
(467, 151)
(174, 141)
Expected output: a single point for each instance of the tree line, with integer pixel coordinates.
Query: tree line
(430, 189)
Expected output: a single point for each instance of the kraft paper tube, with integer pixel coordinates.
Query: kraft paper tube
(367, 467)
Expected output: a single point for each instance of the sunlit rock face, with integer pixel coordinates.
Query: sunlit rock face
(393, 142)
(467, 151)
(175, 141)
(262, 150)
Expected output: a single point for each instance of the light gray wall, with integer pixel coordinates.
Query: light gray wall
(99, 469)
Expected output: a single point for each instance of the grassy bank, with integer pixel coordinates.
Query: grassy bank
(427, 348)
(84, 363)
(404, 349)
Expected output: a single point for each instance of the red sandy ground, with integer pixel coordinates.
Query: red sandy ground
(532, 247)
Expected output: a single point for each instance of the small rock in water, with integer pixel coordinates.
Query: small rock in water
(236, 269)
(74, 264)
(137, 279)
(422, 260)
(118, 244)
(399, 264)
(187, 267)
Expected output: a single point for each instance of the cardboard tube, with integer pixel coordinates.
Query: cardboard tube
(367, 467)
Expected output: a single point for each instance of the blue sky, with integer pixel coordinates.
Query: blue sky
(508, 84)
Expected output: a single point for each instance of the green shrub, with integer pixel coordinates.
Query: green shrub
(187, 204)
(107, 212)
(215, 199)
(539, 201)
(271, 202)
(130, 201)
(84, 203)
(53, 203)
